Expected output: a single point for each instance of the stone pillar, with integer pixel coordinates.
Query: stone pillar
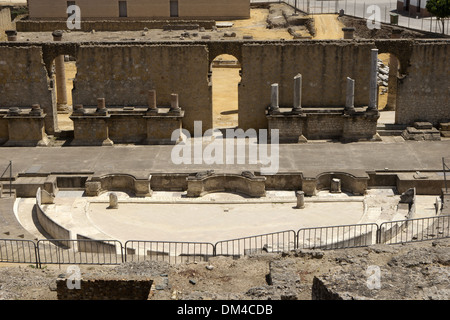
(373, 94)
(152, 101)
(60, 69)
(297, 94)
(349, 32)
(79, 109)
(101, 106)
(113, 201)
(350, 96)
(11, 34)
(300, 199)
(335, 185)
(274, 105)
(174, 104)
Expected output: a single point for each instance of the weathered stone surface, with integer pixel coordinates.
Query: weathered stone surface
(411, 273)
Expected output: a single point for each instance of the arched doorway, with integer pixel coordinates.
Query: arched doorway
(225, 79)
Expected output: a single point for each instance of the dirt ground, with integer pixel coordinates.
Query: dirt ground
(266, 276)
(328, 27)
(256, 27)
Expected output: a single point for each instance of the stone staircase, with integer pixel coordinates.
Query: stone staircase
(390, 129)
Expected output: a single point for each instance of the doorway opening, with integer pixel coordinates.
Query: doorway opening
(225, 78)
(64, 93)
(388, 74)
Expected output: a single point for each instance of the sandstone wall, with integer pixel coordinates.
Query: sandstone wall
(124, 74)
(24, 81)
(218, 9)
(142, 8)
(324, 67)
(424, 94)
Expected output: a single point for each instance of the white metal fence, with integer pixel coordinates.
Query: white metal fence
(363, 9)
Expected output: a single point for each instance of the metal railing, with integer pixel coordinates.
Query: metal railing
(105, 252)
(170, 251)
(270, 242)
(111, 252)
(337, 237)
(413, 230)
(18, 251)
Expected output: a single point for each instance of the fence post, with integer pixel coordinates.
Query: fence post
(378, 237)
(10, 178)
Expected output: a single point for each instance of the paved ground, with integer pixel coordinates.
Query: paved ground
(310, 158)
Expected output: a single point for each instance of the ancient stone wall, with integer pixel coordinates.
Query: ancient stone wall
(324, 66)
(110, 25)
(424, 93)
(124, 74)
(24, 81)
(111, 288)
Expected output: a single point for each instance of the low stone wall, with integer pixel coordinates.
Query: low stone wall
(204, 183)
(87, 244)
(23, 128)
(55, 230)
(135, 126)
(104, 289)
(112, 25)
(118, 182)
(323, 124)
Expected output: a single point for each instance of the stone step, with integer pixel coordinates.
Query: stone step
(390, 129)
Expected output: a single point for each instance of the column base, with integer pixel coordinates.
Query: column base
(63, 108)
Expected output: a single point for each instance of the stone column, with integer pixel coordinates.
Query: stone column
(11, 34)
(373, 94)
(174, 104)
(274, 106)
(60, 69)
(297, 94)
(152, 101)
(350, 96)
(300, 199)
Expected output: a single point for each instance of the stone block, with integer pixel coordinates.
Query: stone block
(335, 186)
(113, 201)
(91, 130)
(422, 125)
(93, 188)
(26, 130)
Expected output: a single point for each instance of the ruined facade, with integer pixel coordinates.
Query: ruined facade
(123, 73)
